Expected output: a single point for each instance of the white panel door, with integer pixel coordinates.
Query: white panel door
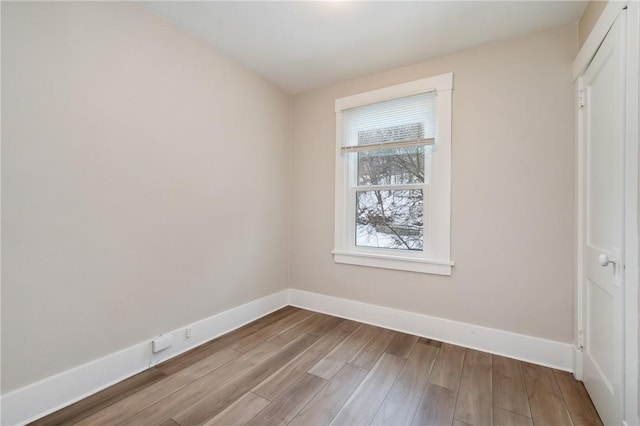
(604, 133)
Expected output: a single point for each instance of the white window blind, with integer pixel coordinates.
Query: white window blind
(407, 121)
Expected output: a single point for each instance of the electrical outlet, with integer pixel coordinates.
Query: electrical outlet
(188, 333)
(161, 343)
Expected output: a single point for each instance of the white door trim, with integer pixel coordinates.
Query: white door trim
(599, 31)
(631, 218)
(578, 362)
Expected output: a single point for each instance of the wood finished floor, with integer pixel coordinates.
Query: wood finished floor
(298, 367)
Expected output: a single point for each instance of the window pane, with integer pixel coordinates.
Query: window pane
(395, 166)
(390, 219)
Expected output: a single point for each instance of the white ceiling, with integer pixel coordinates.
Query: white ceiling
(301, 45)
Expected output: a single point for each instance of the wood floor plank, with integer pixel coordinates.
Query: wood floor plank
(474, 405)
(287, 405)
(240, 412)
(172, 403)
(221, 397)
(361, 408)
(287, 336)
(271, 330)
(336, 359)
(132, 404)
(101, 400)
(448, 367)
(371, 351)
(401, 403)
(181, 361)
(545, 399)
(578, 402)
(509, 391)
(322, 327)
(169, 422)
(436, 407)
(401, 345)
(297, 368)
(328, 401)
(430, 342)
(503, 417)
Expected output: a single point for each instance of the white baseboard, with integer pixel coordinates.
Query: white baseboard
(518, 346)
(53, 393)
(577, 363)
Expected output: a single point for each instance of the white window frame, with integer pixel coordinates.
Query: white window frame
(436, 258)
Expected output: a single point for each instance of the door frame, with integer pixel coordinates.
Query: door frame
(631, 275)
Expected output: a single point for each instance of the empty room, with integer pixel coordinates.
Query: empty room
(319, 212)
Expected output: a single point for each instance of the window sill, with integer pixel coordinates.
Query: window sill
(425, 266)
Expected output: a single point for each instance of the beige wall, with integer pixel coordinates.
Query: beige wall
(144, 183)
(512, 191)
(589, 18)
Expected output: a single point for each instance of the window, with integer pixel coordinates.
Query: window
(393, 177)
